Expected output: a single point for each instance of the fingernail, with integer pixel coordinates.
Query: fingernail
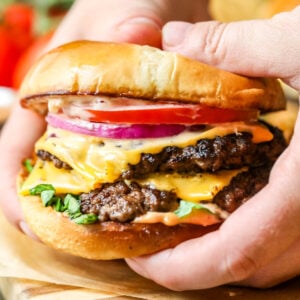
(174, 33)
(139, 21)
(140, 30)
(26, 230)
(143, 20)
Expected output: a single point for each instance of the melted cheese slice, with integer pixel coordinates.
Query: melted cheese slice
(190, 188)
(100, 160)
(64, 181)
(200, 187)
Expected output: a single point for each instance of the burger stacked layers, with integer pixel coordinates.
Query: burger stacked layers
(144, 148)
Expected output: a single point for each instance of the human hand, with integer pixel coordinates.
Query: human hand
(107, 20)
(259, 244)
(137, 22)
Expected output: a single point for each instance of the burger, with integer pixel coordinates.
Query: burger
(144, 148)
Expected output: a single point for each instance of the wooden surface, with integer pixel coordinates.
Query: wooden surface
(21, 289)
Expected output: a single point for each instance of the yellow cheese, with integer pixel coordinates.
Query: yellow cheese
(64, 181)
(195, 188)
(105, 159)
(201, 187)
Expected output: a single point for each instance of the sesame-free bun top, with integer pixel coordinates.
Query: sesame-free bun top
(98, 68)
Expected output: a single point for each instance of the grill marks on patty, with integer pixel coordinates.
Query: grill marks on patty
(208, 155)
(242, 187)
(121, 202)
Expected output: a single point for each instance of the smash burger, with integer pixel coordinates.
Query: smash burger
(144, 148)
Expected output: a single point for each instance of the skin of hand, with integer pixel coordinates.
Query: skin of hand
(259, 244)
(136, 22)
(106, 20)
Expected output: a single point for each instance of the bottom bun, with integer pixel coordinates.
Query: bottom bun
(107, 240)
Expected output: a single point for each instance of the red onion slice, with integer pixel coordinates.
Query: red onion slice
(115, 131)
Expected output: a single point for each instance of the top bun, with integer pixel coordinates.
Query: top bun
(98, 68)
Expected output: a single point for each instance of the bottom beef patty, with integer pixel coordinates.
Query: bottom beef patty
(121, 202)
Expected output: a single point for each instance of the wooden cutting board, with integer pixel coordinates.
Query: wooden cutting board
(21, 289)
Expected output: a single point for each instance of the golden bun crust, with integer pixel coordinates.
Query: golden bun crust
(97, 68)
(108, 240)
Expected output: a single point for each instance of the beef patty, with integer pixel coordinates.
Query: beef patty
(232, 151)
(208, 155)
(122, 202)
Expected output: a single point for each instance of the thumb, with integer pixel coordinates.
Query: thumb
(110, 20)
(254, 48)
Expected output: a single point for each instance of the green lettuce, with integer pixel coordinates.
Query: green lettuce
(70, 204)
(186, 208)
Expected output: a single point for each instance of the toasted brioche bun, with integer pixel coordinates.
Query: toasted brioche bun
(107, 240)
(97, 68)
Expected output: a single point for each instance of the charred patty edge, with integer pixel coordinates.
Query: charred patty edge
(229, 152)
(123, 202)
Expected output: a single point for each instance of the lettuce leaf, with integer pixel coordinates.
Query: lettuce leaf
(186, 207)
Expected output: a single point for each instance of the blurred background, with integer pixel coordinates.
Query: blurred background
(25, 29)
(236, 10)
(26, 26)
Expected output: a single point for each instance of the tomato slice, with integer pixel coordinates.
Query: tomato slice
(149, 112)
(190, 114)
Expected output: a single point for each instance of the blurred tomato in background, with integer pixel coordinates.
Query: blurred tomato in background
(26, 27)
(28, 57)
(9, 55)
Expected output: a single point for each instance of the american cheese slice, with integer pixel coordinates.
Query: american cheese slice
(200, 187)
(64, 181)
(105, 159)
(190, 188)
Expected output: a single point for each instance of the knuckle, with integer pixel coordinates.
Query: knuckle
(212, 42)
